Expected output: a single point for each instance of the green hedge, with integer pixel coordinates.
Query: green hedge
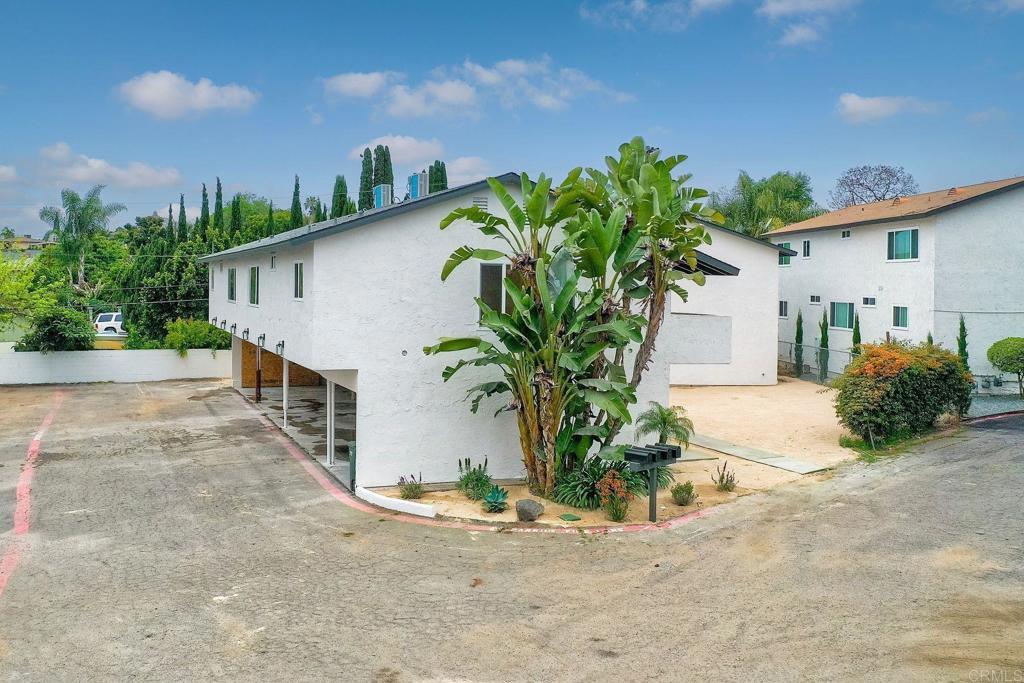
(896, 388)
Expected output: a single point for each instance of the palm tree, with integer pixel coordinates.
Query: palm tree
(667, 423)
(757, 207)
(75, 224)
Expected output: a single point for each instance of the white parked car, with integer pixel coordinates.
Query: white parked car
(109, 323)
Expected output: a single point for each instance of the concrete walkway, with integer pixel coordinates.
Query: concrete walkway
(783, 462)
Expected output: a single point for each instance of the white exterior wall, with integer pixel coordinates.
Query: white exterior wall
(111, 365)
(726, 332)
(979, 259)
(851, 269)
(378, 300)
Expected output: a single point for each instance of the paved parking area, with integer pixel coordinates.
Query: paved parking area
(172, 538)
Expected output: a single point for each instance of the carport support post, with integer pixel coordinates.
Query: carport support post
(330, 423)
(259, 372)
(284, 389)
(652, 492)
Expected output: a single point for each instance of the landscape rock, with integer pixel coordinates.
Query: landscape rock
(528, 510)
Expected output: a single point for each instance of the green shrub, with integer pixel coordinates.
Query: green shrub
(474, 480)
(135, 340)
(578, 487)
(57, 328)
(668, 423)
(183, 335)
(683, 494)
(496, 500)
(1007, 355)
(894, 387)
(724, 479)
(410, 488)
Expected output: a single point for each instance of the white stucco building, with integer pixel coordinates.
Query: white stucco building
(911, 266)
(355, 299)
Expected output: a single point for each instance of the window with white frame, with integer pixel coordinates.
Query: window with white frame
(211, 279)
(868, 302)
(783, 309)
(807, 249)
(846, 234)
(815, 299)
(231, 284)
(273, 261)
(783, 257)
(900, 317)
(902, 245)
(298, 283)
(254, 285)
(840, 315)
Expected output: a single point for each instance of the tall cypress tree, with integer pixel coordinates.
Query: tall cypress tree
(378, 165)
(321, 210)
(218, 210)
(297, 221)
(236, 219)
(339, 197)
(182, 221)
(171, 235)
(204, 213)
(366, 182)
(389, 171)
(444, 177)
(268, 229)
(961, 345)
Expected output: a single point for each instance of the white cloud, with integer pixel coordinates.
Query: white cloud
(777, 9)
(62, 165)
(800, 34)
(990, 115)
(168, 95)
(632, 15)
(462, 170)
(359, 84)
(404, 149)
(515, 81)
(857, 109)
(7, 174)
(456, 91)
(448, 97)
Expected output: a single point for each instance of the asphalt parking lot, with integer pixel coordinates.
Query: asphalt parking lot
(169, 536)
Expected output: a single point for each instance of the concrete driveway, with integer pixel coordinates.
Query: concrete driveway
(171, 538)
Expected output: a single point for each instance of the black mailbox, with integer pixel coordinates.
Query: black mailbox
(648, 459)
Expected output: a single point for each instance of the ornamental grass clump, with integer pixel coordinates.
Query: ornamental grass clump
(615, 495)
(410, 488)
(896, 388)
(473, 479)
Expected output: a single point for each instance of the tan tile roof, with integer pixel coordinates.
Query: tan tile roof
(914, 206)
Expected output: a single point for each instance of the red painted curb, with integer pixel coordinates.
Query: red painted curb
(23, 498)
(328, 483)
(996, 416)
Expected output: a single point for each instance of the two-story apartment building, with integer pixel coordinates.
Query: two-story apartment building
(908, 267)
(354, 300)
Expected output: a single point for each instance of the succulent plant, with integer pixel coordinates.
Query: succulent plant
(496, 500)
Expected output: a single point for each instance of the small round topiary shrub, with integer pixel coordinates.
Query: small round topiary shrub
(897, 388)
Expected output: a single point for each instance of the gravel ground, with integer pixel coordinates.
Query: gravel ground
(173, 539)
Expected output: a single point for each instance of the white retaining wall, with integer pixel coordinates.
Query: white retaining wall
(73, 367)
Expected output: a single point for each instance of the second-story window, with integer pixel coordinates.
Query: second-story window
(807, 249)
(902, 245)
(254, 285)
(231, 284)
(299, 283)
(841, 315)
(492, 287)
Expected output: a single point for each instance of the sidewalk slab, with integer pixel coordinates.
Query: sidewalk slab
(783, 462)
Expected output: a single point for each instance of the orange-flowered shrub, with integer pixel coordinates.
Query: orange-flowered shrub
(895, 387)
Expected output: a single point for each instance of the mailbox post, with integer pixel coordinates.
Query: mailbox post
(649, 459)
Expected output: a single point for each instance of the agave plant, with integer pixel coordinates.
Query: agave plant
(496, 500)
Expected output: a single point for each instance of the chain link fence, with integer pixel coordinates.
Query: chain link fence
(812, 363)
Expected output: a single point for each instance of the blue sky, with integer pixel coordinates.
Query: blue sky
(154, 98)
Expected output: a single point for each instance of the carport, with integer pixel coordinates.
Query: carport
(317, 410)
